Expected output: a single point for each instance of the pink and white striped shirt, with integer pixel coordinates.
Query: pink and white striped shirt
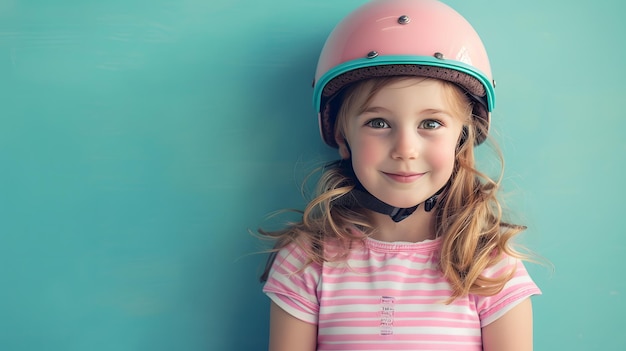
(389, 296)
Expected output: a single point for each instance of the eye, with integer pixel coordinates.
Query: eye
(377, 123)
(430, 124)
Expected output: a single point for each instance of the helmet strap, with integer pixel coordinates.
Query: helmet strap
(362, 198)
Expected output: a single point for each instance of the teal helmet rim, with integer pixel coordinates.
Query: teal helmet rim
(475, 83)
(352, 65)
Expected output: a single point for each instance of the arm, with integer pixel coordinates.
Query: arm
(511, 332)
(288, 333)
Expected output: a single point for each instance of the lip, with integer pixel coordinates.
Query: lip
(403, 177)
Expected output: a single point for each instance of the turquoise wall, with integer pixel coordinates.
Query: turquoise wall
(139, 140)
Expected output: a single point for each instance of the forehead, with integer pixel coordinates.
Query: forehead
(413, 88)
(364, 94)
(414, 92)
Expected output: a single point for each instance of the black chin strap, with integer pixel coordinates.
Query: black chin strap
(359, 197)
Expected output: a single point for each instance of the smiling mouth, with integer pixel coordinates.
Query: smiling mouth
(404, 177)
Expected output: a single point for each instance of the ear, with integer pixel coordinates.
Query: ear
(344, 149)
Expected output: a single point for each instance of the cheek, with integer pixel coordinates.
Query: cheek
(365, 154)
(442, 156)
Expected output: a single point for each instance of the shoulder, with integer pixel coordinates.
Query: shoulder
(504, 264)
(296, 257)
(293, 282)
(518, 287)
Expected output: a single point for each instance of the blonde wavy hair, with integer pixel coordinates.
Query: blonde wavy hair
(469, 216)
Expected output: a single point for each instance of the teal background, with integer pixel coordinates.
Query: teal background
(140, 140)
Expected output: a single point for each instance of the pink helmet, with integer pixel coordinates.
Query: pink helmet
(397, 38)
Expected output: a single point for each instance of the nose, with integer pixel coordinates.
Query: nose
(406, 144)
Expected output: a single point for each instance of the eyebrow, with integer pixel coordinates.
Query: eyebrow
(370, 109)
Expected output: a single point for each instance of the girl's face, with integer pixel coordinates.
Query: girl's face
(403, 142)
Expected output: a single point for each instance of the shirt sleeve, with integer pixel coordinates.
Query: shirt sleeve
(293, 285)
(518, 288)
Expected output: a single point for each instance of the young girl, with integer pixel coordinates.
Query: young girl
(404, 246)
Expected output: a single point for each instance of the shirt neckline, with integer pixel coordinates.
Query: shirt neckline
(428, 245)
